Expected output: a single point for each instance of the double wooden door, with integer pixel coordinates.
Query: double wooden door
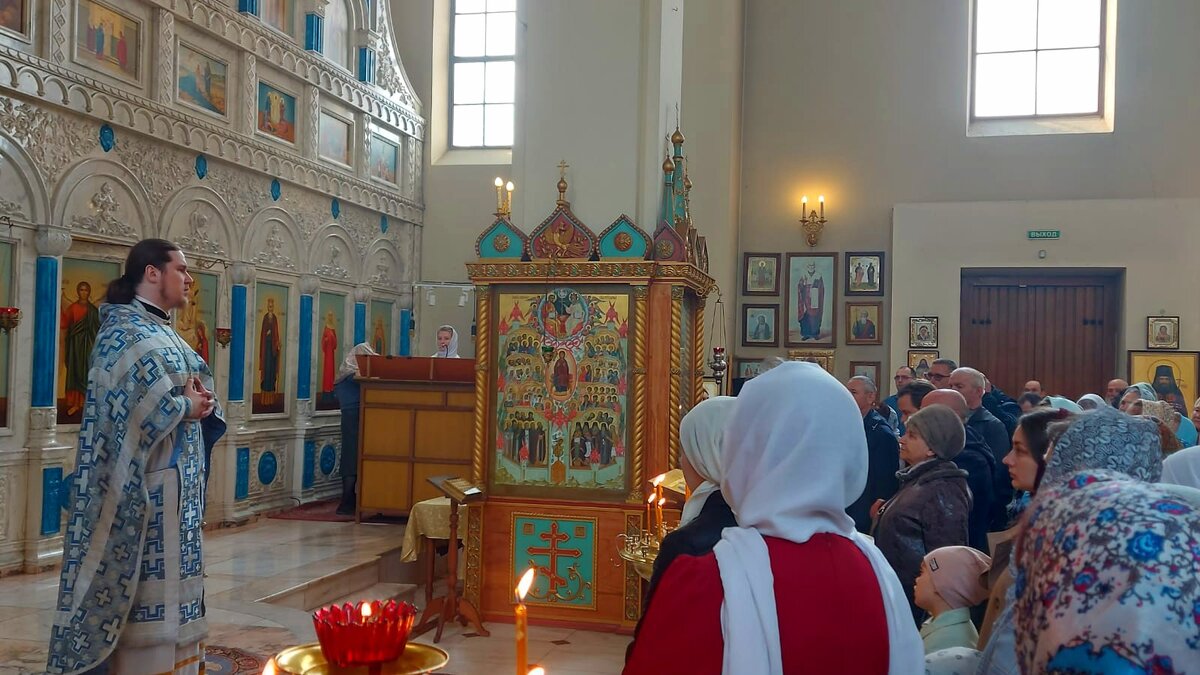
(1058, 329)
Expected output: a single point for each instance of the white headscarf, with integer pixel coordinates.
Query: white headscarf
(1094, 400)
(701, 433)
(349, 366)
(1183, 468)
(793, 424)
(452, 349)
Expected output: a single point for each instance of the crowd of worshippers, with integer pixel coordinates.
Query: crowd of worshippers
(946, 529)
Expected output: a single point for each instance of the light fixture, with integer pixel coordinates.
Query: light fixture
(10, 317)
(462, 298)
(718, 364)
(812, 222)
(430, 297)
(503, 197)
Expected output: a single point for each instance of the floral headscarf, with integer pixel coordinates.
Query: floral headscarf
(1110, 440)
(1106, 578)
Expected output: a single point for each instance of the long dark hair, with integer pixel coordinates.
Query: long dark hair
(1042, 427)
(156, 252)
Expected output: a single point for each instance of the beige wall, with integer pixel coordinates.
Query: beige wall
(866, 101)
(932, 243)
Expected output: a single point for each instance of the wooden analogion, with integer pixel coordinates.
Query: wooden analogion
(589, 350)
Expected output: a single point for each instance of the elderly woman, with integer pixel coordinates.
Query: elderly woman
(777, 593)
(1142, 391)
(346, 390)
(1102, 439)
(932, 507)
(1091, 402)
(1107, 571)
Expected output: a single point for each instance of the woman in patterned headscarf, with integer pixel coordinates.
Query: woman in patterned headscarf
(1106, 578)
(1102, 439)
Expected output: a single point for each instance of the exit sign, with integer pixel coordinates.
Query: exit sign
(1043, 234)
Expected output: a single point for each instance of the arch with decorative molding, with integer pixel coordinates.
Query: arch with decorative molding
(201, 238)
(272, 241)
(324, 263)
(104, 223)
(384, 268)
(17, 168)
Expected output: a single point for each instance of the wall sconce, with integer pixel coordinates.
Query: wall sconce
(430, 297)
(503, 198)
(462, 298)
(813, 223)
(10, 318)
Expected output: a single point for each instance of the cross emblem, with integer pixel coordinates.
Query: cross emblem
(103, 597)
(553, 538)
(112, 629)
(562, 168)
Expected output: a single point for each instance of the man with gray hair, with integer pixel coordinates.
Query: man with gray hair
(976, 460)
(971, 384)
(883, 453)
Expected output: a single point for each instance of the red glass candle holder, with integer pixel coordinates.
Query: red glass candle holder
(348, 638)
(224, 336)
(10, 318)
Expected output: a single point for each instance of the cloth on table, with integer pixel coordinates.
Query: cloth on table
(429, 519)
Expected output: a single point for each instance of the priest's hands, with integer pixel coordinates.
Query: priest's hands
(203, 401)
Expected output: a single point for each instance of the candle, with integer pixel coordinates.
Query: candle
(366, 612)
(804, 206)
(661, 525)
(508, 187)
(537, 671)
(649, 518)
(499, 197)
(821, 201)
(270, 668)
(521, 615)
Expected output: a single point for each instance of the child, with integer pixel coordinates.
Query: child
(949, 585)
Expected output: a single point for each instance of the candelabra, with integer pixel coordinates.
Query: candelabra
(812, 222)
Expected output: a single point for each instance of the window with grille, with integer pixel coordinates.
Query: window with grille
(483, 40)
(1038, 58)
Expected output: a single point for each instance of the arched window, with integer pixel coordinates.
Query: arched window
(337, 33)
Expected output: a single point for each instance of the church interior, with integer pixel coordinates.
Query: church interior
(536, 234)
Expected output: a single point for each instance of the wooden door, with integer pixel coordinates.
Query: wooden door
(1058, 329)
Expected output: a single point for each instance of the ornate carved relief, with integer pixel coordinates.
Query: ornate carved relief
(197, 240)
(383, 274)
(161, 170)
(104, 219)
(249, 93)
(273, 254)
(310, 120)
(166, 55)
(387, 74)
(7, 207)
(59, 20)
(333, 268)
(52, 141)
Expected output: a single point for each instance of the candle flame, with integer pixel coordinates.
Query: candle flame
(821, 199)
(525, 583)
(662, 501)
(499, 181)
(366, 610)
(650, 498)
(658, 479)
(270, 668)
(804, 199)
(537, 671)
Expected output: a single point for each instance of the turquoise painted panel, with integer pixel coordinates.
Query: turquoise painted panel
(51, 500)
(328, 459)
(624, 240)
(500, 241)
(564, 552)
(241, 484)
(268, 468)
(308, 473)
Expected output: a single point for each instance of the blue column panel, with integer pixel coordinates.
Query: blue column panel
(304, 371)
(237, 348)
(241, 483)
(360, 322)
(51, 506)
(45, 332)
(405, 332)
(314, 33)
(308, 476)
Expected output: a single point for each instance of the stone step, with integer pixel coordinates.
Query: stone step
(382, 591)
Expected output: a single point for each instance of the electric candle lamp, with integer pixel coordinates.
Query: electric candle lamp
(804, 206)
(821, 202)
(499, 195)
(508, 187)
(522, 624)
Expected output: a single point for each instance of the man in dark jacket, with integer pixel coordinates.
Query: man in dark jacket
(977, 461)
(971, 383)
(1001, 406)
(883, 453)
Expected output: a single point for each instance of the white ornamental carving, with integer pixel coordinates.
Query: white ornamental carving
(53, 141)
(198, 241)
(383, 275)
(333, 269)
(104, 218)
(8, 208)
(273, 254)
(162, 170)
(3, 505)
(166, 55)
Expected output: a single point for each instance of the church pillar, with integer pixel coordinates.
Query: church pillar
(362, 296)
(242, 276)
(47, 458)
(309, 284)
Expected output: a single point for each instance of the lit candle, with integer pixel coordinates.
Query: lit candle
(537, 671)
(662, 528)
(649, 518)
(499, 197)
(522, 629)
(508, 187)
(821, 201)
(804, 206)
(270, 668)
(366, 612)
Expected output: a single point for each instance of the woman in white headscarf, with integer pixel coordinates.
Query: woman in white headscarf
(447, 342)
(346, 390)
(794, 588)
(705, 514)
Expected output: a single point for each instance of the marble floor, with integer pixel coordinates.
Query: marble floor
(271, 557)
